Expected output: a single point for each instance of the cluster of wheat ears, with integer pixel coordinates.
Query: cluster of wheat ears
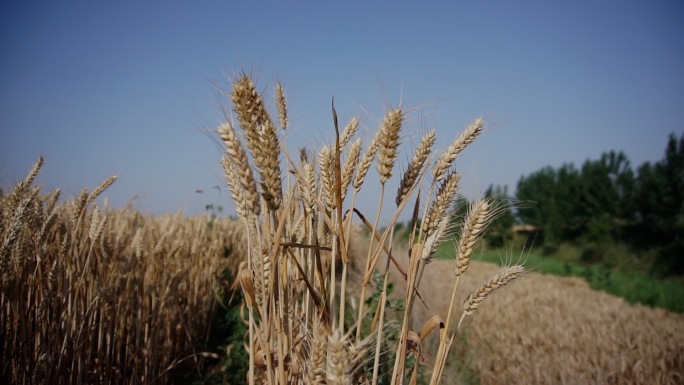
(90, 295)
(305, 323)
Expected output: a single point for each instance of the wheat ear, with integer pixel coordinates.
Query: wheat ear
(480, 215)
(506, 275)
(262, 138)
(326, 162)
(350, 165)
(249, 108)
(475, 223)
(100, 189)
(239, 158)
(444, 199)
(236, 192)
(416, 165)
(33, 173)
(461, 142)
(365, 164)
(388, 142)
(307, 185)
(281, 105)
(349, 132)
(267, 159)
(317, 357)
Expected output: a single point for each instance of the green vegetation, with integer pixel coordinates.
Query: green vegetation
(605, 204)
(633, 286)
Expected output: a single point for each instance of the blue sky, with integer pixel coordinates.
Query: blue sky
(130, 88)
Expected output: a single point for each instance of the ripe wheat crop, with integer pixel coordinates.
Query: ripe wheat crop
(308, 322)
(91, 295)
(557, 330)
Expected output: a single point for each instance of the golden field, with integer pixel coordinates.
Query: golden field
(556, 330)
(114, 296)
(96, 295)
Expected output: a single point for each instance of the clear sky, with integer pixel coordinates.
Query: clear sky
(130, 88)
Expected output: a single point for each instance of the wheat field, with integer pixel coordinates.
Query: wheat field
(96, 295)
(557, 330)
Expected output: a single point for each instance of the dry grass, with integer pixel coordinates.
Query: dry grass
(94, 295)
(308, 321)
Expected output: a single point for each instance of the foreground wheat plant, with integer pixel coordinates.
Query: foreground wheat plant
(302, 327)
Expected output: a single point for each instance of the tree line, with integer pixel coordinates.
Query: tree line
(602, 203)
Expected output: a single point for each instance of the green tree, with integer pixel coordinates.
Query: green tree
(604, 206)
(590, 205)
(538, 193)
(659, 204)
